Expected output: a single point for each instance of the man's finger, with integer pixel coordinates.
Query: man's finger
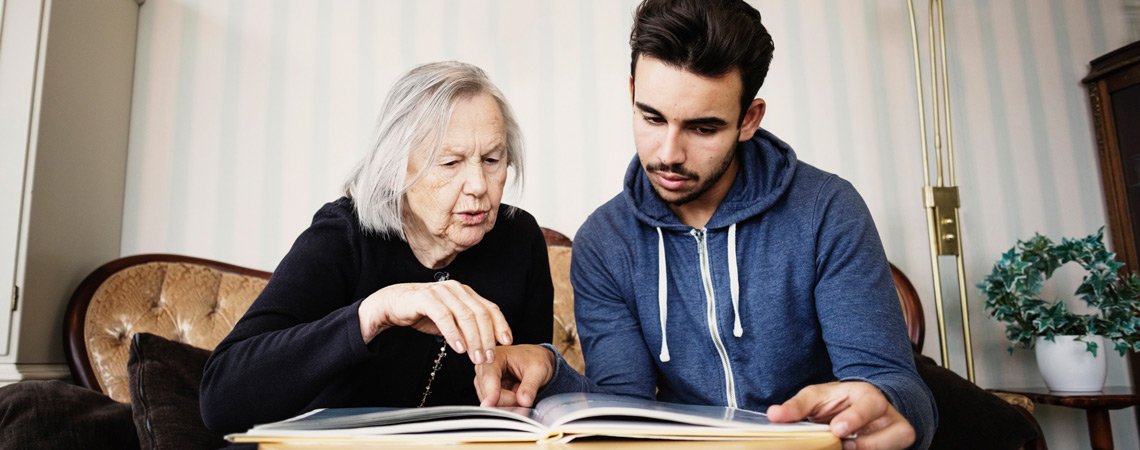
(859, 414)
(508, 398)
(800, 406)
(886, 433)
(529, 384)
(487, 383)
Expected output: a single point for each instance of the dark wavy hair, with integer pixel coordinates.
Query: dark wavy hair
(705, 37)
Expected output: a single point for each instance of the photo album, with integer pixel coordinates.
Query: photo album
(559, 418)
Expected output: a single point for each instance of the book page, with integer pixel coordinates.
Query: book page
(429, 419)
(574, 412)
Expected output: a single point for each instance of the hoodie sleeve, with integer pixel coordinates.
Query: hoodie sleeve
(853, 291)
(618, 362)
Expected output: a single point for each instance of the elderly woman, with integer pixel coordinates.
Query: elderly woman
(398, 288)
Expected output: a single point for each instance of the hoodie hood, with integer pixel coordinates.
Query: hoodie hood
(766, 168)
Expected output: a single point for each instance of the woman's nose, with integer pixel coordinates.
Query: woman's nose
(475, 181)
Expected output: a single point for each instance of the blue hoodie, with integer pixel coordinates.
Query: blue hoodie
(786, 286)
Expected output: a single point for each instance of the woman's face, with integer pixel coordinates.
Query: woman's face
(456, 200)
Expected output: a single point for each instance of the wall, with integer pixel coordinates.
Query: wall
(247, 115)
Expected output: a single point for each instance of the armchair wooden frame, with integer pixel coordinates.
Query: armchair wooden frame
(75, 332)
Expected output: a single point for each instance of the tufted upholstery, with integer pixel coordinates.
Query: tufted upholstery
(189, 300)
(565, 337)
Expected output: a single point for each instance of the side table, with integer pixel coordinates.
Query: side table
(1095, 404)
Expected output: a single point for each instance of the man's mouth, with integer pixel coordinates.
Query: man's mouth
(671, 181)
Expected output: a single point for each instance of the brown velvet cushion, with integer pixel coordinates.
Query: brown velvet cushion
(57, 415)
(164, 376)
(968, 416)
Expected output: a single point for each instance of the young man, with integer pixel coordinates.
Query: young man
(727, 272)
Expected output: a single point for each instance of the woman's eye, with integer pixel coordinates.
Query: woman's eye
(449, 163)
(491, 160)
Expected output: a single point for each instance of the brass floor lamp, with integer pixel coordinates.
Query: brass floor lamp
(941, 198)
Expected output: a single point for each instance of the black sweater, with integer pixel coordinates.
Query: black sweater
(299, 346)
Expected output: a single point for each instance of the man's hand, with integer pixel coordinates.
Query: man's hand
(514, 377)
(849, 407)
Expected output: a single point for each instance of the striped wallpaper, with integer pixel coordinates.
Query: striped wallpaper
(247, 115)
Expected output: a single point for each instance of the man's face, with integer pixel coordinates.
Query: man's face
(685, 129)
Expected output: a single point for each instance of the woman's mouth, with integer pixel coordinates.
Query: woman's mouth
(472, 217)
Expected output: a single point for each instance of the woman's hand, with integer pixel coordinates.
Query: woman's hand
(470, 323)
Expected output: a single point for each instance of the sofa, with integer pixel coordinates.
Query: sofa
(139, 329)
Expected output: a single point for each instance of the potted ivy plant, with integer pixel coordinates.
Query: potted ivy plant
(1050, 327)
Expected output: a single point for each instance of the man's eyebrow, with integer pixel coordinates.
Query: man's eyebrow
(646, 108)
(699, 121)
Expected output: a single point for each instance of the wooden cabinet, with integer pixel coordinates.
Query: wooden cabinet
(1114, 98)
(65, 97)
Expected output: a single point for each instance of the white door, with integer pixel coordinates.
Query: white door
(19, 42)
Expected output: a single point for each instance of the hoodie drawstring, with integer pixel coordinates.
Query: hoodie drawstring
(733, 275)
(662, 294)
(663, 288)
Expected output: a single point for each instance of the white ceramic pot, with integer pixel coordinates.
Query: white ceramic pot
(1067, 366)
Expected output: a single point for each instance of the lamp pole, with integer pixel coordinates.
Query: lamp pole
(940, 199)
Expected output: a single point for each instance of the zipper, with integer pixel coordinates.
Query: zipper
(710, 315)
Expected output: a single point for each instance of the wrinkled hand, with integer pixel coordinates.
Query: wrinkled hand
(515, 376)
(470, 323)
(849, 407)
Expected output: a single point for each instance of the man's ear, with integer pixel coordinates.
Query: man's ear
(752, 119)
(631, 100)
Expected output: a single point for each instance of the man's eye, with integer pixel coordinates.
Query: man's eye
(654, 120)
(705, 130)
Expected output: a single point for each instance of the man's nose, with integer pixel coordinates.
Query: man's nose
(672, 149)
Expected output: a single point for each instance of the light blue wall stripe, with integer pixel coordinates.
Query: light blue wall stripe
(319, 151)
(274, 124)
(1078, 119)
(447, 24)
(369, 107)
(499, 59)
(998, 112)
(976, 233)
(790, 55)
(588, 113)
(1096, 26)
(181, 149)
(546, 63)
(1042, 149)
(840, 85)
(879, 114)
(227, 138)
(408, 15)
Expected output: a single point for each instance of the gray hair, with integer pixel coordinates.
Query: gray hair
(415, 116)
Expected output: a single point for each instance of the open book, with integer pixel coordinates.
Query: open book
(557, 418)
